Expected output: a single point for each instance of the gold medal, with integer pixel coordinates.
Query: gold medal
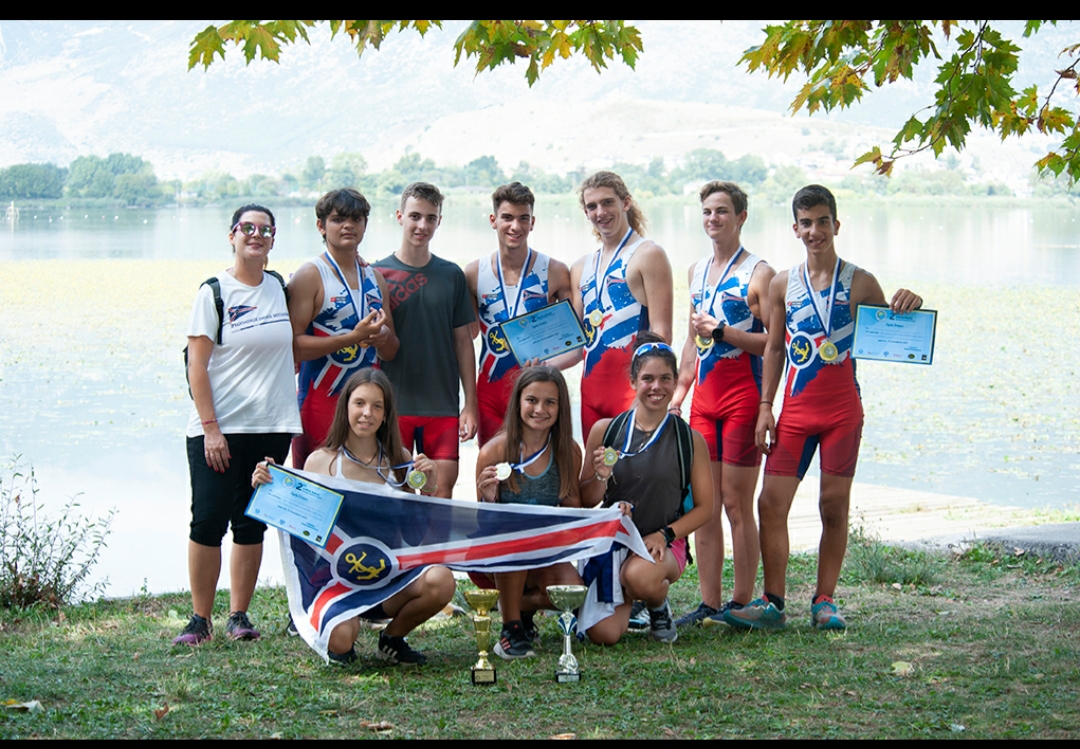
(611, 457)
(703, 343)
(502, 471)
(416, 479)
(595, 318)
(828, 351)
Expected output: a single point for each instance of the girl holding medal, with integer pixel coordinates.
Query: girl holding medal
(644, 480)
(533, 460)
(364, 444)
(812, 313)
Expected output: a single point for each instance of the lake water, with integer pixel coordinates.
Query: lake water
(93, 309)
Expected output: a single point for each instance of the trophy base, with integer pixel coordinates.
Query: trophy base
(483, 676)
(566, 677)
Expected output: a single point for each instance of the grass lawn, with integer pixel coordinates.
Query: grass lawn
(986, 645)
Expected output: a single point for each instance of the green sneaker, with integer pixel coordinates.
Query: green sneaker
(758, 614)
(824, 615)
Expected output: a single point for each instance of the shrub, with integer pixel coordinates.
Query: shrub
(45, 561)
(870, 560)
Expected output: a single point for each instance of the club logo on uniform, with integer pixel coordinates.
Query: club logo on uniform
(347, 355)
(364, 563)
(235, 313)
(801, 350)
(496, 340)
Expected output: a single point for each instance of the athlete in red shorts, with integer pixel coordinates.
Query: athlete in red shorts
(721, 360)
(816, 301)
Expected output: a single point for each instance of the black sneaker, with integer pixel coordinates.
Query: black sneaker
(695, 617)
(290, 628)
(639, 619)
(532, 632)
(344, 659)
(514, 642)
(396, 651)
(197, 631)
(239, 627)
(660, 625)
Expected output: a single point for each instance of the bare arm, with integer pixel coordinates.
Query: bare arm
(466, 356)
(688, 361)
(472, 275)
(772, 364)
(558, 281)
(386, 342)
(215, 447)
(594, 473)
(653, 276)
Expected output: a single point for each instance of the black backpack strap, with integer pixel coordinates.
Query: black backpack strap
(614, 429)
(219, 305)
(685, 438)
(281, 281)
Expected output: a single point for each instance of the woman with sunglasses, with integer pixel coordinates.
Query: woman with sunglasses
(533, 460)
(636, 464)
(240, 366)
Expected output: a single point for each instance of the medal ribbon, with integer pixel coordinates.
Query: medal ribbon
(719, 281)
(526, 462)
(359, 282)
(511, 312)
(826, 319)
(630, 434)
(598, 281)
(378, 467)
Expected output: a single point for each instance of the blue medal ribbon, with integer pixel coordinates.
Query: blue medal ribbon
(630, 435)
(598, 282)
(358, 309)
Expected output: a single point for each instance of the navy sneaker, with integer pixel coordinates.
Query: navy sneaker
(514, 642)
(696, 617)
(239, 627)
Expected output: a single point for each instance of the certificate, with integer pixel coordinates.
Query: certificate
(883, 335)
(297, 506)
(544, 333)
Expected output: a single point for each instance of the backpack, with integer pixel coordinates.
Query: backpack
(684, 438)
(219, 305)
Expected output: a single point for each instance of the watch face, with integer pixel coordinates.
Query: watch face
(718, 332)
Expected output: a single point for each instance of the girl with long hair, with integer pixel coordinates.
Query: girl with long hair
(364, 444)
(533, 460)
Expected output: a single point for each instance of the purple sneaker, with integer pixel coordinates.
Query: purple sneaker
(240, 627)
(197, 631)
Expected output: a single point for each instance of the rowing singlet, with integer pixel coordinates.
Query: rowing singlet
(320, 380)
(605, 383)
(498, 368)
(807, 373)
(719, 364)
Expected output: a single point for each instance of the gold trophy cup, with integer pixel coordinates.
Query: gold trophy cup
(567, 598)
(482, 601)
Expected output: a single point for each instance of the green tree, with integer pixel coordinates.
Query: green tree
(974, 85)
(313, 172)
(32, 182)
(491, 42)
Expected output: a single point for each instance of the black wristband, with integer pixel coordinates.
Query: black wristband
(718, 332)
(669, 535)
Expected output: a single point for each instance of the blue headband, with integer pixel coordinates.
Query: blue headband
(645, 347)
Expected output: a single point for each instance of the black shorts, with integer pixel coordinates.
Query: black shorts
(218, 499)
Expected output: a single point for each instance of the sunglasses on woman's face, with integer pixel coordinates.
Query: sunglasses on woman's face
(249, 229)
(646, 347)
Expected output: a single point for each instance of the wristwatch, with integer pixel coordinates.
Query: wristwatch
(718, 332)
(669, 535)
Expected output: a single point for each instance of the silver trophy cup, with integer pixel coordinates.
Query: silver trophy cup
(567, 598)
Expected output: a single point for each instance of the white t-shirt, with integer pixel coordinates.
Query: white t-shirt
(251, 372)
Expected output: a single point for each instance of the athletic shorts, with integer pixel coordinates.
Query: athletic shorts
(316, 416)
(604, 396)
(434, 436)
(492, 399)
(218, 500)
(801, 430)
(725, 409)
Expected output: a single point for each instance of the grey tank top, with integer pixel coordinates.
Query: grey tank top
(649, 481)
(535, 490)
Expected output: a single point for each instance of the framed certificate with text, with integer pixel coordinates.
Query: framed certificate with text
(883, 335)
(544, 333)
